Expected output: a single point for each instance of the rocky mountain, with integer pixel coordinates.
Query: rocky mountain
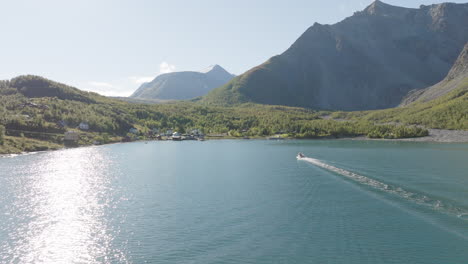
(183, 85)
(370, 60)
(455, 78)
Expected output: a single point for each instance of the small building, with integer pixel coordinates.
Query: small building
(84, 126)
(71, 138)
(133, 130)
(169, 132)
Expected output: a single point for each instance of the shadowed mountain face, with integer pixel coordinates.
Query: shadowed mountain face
(368, 61)
(183, 85)
(455, 78)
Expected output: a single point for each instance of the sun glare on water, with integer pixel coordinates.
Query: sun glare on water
(63, 206)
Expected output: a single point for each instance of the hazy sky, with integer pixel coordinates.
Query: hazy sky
(112, 46)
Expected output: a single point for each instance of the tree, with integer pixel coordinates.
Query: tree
(2, 134)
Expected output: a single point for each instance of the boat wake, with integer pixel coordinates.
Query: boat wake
(395, 190)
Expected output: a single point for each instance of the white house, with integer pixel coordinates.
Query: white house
(84, 126)
(169, 132)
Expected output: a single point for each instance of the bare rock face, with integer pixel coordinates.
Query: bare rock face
(460, 68)
(370, 60)
(183, 85)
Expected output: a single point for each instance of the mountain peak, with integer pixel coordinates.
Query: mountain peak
(379, 8)
(217, 72)
(214, 67)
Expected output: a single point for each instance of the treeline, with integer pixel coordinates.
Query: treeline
(394, 131)
(330, 128)
(2, 135)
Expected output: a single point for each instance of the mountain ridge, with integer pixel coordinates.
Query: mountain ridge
(370, 60)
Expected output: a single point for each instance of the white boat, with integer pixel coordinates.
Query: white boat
(300, 155)
(176, 136)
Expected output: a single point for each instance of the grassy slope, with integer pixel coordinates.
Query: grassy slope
(14, 145)
(226, 95)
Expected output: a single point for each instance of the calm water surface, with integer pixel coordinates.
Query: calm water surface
(237, 202)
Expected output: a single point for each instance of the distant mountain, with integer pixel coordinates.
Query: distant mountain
(370, 60)
(457, 75)
(183, 85)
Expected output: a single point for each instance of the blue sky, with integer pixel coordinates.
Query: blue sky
(112, 46)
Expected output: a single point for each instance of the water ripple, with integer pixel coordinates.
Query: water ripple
(418, 198)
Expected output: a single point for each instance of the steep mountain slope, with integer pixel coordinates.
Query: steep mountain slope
(444, 105)
(457, 75)
(449, 111)
(370, 60)
(183, 85)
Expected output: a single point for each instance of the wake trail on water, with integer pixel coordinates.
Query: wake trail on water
(421, 199)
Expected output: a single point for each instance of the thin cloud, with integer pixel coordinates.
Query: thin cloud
(165, 67)
(106, 88)
(101, 84)
(125, 86)
(141, 79)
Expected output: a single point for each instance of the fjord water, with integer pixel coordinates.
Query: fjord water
(237, 202)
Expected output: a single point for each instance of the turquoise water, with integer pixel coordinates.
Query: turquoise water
(237, 202)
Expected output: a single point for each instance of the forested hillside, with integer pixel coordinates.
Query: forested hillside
(36, 112)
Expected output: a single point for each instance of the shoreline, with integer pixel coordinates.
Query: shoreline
(435, 136)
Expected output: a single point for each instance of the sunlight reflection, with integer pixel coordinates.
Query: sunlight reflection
(67, 206)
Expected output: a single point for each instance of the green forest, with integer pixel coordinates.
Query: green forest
(36, 112)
